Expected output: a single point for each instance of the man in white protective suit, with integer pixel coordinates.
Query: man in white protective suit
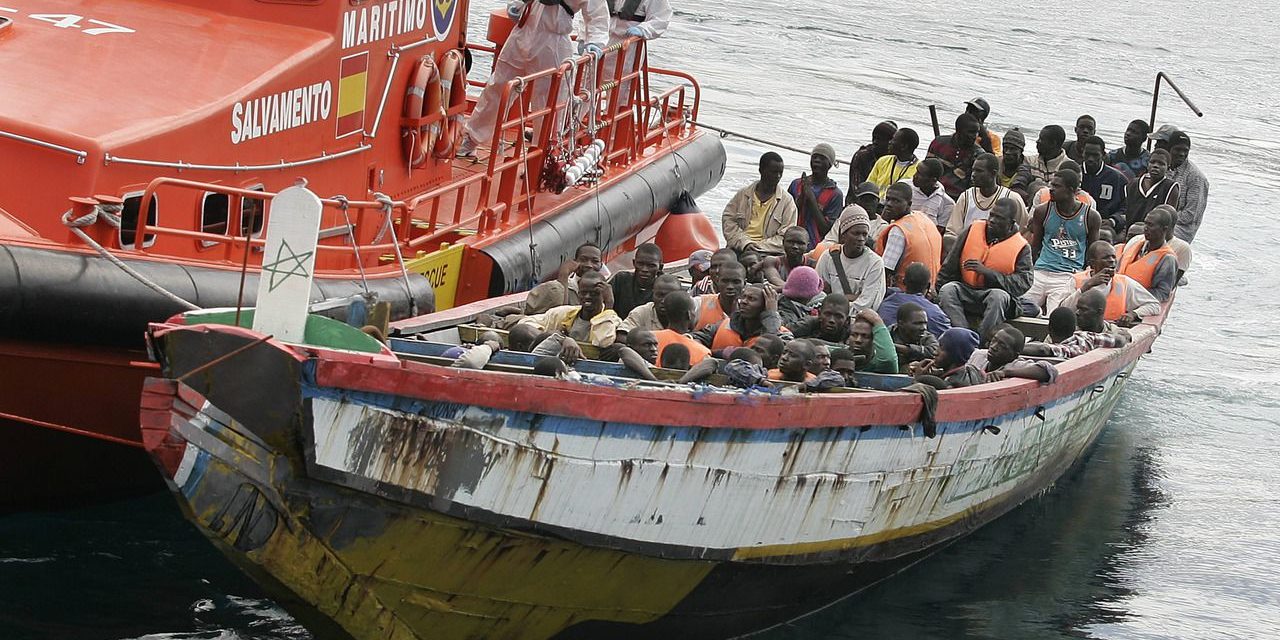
(646, 19)
(539, 41)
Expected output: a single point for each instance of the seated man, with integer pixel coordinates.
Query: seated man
(1150, 260)
(796, 361)
(956, 152)
(753, 262)
(559, 291)
(650, 314)
(676, 356)
(699, 265)
(801, 296)
(910, 336)
(756, 314)
(909, 237)
(731, 277)
(1151, 189)
(1003, 359)
(976, 202)
(795, 242)
(991, 269)
(1092, 332)
(1127, 300)
(864, 159)
(871, 344)
(900, 164)
(1062, 325)
(592, 321)
(846, 364)
(1105, 183)
(769, 347)
(1015, 173)
(1131, 159)
(915, 283)
(680, 310)
(524, 337)
(1049, 153)
(707, 284)
(634, 288)
(757, 215)
(851, 269)
(1061, 230)
(928, 197)
(818, 198)
(830, 325)
(950, 368)
(866, 201)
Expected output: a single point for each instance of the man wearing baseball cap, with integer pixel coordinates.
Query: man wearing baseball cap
(866, 196)
(1194, 194)
(818, 198)
(980, 109)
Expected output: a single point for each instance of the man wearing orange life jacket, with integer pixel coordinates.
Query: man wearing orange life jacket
(1149, 259)
(756, 315)
(1127, 300)
(797, 359)
(910, 237)
(715, 307)
(679, 311)
(987, 271)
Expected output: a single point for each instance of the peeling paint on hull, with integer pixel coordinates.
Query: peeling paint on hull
(403, 515)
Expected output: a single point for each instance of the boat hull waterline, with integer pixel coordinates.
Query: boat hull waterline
(393, 501)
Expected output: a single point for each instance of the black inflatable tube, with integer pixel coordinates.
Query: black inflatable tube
(621, 211)
(83, 298)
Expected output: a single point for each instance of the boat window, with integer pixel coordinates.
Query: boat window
(215, 211)
(253, 213)
(129, 219)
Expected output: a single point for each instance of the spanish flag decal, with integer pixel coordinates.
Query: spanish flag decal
(353, 83)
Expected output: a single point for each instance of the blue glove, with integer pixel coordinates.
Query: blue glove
(635, 31)
(514, 9)
(592, 49)
(582, 45)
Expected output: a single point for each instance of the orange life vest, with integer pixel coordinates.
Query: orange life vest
(1117, 298)
(923, 244)
(667, 337)
(726, 337)
(1082, 197)
(1143, 269)
(709, 311)
(1001, 257)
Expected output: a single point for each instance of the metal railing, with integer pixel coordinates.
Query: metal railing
(1155, 101)
(619, 111)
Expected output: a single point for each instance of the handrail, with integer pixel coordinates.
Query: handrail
(1155, 101)
(79, 154)
(180, 165)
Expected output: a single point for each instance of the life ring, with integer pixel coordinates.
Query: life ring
(453, 92)
(423, 113)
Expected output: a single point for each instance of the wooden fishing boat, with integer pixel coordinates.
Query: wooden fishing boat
(379, 493)
(367, 100)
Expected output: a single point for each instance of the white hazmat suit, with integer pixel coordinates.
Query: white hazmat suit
(541, 42)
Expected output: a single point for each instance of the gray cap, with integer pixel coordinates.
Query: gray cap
(1171, 134)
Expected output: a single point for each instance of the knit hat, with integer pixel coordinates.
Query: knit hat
(802, 283)
(825, 150)
(700, 259)
(852, 216)
(1015, 139)
(959, 344)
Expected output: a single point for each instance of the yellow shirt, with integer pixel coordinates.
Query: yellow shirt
(759, 213)
(887, 171)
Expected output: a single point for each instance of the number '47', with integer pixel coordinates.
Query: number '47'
(72, 21)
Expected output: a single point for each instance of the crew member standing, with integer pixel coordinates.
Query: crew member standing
(539, 41)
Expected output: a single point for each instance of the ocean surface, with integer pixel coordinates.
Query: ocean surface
(1172, 527)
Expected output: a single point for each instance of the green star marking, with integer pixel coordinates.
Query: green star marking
(286, 267)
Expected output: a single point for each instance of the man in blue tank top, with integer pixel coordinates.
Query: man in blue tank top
(1061, 230)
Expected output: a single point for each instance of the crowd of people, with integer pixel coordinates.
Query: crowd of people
(917, 270)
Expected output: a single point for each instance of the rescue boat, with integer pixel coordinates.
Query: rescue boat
(379, 493)
(138, 181)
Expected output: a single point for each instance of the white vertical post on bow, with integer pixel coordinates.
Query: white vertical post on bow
(288, 264)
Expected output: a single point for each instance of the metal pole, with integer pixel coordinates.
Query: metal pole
(933, 117)
(1155, 100)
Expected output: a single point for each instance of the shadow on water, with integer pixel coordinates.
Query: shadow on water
(130, 569)
(1050, 569)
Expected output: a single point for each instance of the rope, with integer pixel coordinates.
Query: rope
(388, 205)
(343, 204)
(104, 211)
(725, 133)
(528, 198)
